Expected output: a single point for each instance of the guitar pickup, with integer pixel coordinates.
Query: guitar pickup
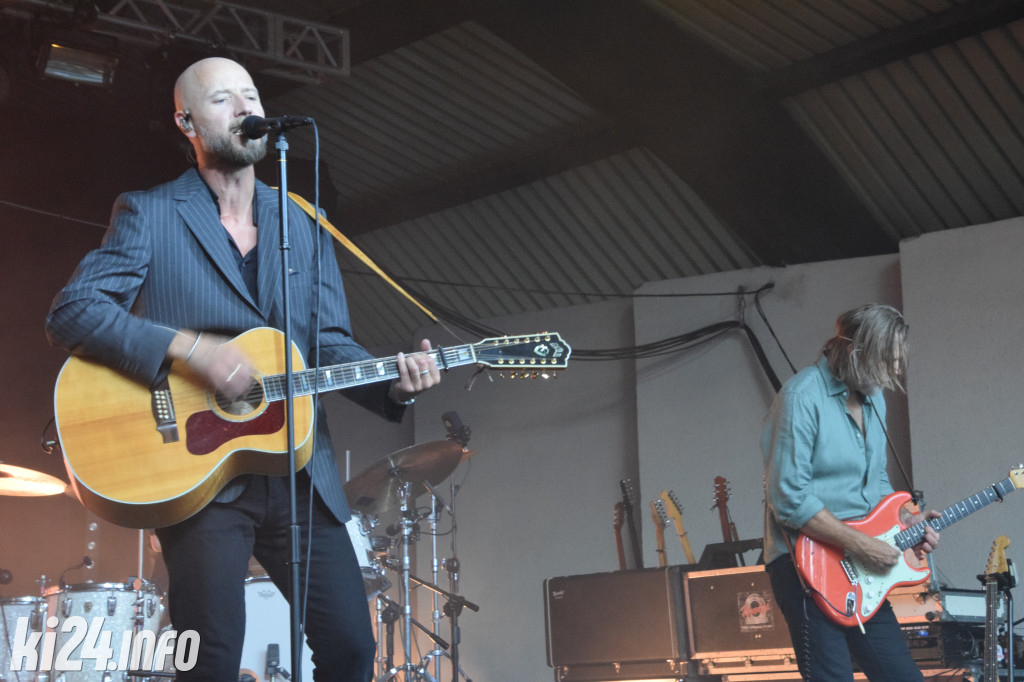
(851, 603)
(162, 405)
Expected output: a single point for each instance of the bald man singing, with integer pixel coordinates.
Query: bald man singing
(183, 268)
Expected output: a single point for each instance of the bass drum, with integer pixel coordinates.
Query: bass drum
(267, 618)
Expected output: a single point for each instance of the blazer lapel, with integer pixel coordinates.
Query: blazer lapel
(197, 209)
(268, 224)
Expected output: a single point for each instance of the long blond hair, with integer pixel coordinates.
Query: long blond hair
(869, 350)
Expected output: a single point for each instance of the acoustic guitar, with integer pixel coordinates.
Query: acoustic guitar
(145, 457)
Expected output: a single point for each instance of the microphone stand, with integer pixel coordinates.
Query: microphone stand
(294, 561)
(452, 608)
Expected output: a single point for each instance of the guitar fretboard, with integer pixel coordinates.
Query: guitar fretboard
(351, 374)
(909, 537)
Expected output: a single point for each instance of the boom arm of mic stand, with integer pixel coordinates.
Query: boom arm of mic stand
(462, 601)
(437, 640)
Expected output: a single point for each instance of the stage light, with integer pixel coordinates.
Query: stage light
(64, 62)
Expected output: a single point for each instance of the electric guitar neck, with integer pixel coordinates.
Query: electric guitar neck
(628, 508)
(617, 525)
(661, 520)
(674, 510)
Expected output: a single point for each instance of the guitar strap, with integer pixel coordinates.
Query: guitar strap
(357, 252)
(892, 449)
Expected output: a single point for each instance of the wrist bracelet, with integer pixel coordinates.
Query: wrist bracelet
(188, 355)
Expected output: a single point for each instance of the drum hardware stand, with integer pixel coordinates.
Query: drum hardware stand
(410, 672)
(454, 603)
(452, 608)
(388, 613)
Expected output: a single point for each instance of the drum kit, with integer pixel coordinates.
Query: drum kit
(38, 634)
(56, 623)
(392, 485)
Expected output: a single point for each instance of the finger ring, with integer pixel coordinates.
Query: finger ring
(425, 372)
(232, 375)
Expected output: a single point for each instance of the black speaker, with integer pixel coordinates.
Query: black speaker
(626, 617)
(732, 612)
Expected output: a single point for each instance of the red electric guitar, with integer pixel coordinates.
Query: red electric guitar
(850, 594)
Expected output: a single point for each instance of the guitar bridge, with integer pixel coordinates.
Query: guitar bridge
(851, 571)
(162, 405)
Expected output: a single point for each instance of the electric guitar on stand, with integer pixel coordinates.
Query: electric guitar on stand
(845, 590)
(996, 579)
(675, 512)
(617, 525)
(149, 456)
(628, 514)
(729, 533)
(661, 520)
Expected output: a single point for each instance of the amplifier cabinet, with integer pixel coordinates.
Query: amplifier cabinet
(731, 613)
(624, 620)
(944, 643)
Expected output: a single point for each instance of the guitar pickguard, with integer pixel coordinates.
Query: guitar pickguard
(206, 431)
(875, 586)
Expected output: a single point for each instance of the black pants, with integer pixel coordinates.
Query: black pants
(207, 559)
(824, 648)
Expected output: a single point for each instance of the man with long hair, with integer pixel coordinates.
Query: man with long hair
(824, 446)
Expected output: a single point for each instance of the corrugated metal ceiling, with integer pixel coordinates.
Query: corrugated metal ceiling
(925, 142)
(516, 155)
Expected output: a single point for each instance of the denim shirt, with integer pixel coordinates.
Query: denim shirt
(815, 456)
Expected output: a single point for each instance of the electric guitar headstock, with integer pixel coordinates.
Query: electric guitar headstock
(1017, 476)
(628, 497)
(997, 557)
(628, 507)
(673, 507)
(661, 520)
(674, 510)
(659, 514)
(721, 492)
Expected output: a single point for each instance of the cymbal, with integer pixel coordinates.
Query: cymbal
(377, 489)
(22, 482)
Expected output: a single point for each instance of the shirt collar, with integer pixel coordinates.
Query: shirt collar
(832, 385)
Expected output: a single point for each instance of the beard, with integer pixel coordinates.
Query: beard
(222, 148)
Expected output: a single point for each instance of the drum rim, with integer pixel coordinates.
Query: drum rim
(21, 600)
(101, 587)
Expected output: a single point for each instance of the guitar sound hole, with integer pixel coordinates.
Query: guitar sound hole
(243, 405)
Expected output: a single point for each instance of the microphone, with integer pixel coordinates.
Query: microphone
(457, 431)
(255, 127)
(86, 561)
(273, 660)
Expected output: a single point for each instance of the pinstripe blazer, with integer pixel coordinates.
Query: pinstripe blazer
(166, 263)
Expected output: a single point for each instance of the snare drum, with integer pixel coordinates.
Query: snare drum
(359, 533)
(123, 609)
(267, 619)
(33, 610)
(359, 529)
